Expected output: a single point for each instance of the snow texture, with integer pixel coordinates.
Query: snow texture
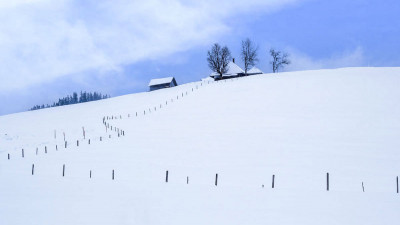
(297, 126)
(159, 81)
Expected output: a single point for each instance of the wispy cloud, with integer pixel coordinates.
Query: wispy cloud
(301, 61)
(42, 40)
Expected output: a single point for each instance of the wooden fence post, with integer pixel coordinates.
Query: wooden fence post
(63, 170)
(33, 169)
(216, 179)
(327, 181)
(23, 155)
(65, 145)
(113, 174)
(100, 138)
(90, 174)
(89, 141)
(166, 176)
(37, 151)
(77, 143)
(397, 181)
(187, 180)
(273, 181)
(45, 149)
(56, 148)
(362, 184)
(9, 158)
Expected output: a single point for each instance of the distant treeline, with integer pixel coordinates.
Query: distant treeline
(74, 99)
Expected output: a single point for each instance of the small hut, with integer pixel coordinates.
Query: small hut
(160, 83)
(254, 71)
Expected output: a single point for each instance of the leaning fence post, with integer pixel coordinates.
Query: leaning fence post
(216, 179)
(327, 181)
(166, 176)
(273, 181)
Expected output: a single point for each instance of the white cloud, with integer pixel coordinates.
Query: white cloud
(300, 61)
(41, 40)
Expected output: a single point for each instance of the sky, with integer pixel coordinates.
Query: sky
(49, 49)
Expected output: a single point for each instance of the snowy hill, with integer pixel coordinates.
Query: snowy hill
(297, 126)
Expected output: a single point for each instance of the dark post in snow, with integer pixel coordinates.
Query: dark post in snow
(362, 184)
(113, 174)
(90, 174)
(397, 182)
(187, 180)
(327, 181)
(9, 159)
(89, 141)
(23, 153)
(45, 149)
(65, 145)
(166, 176)
(63, 170)
(56, 148)
(33, 169)
(216, 179)
(100, 138)
(77, 142)
(273, 181)
(37, 151)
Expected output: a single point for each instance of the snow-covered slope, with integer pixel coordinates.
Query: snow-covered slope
(297, 126)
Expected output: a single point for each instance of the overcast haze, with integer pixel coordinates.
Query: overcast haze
(49, 49)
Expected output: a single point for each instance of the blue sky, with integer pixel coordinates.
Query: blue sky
(49, 49)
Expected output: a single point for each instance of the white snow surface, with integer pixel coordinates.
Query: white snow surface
(297, 126)
(233, 70)
(254, 70)
(165, 80)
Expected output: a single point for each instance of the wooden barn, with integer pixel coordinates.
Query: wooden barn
(160, 83)
(233, 71)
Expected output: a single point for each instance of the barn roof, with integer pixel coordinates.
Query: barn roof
(159, 81)
(254, 70)
(233, 70)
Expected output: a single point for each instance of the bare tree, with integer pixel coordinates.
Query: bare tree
(218, 58)
(279, 60)
(249, 54)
